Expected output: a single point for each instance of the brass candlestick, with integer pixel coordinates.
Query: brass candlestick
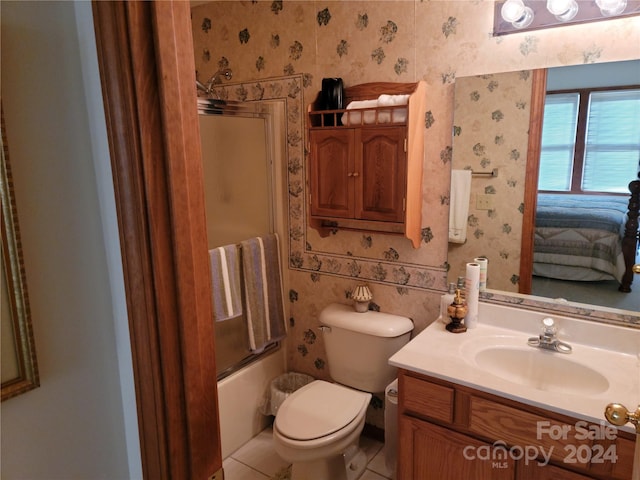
(457, 311)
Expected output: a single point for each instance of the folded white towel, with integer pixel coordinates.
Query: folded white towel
(459, 205)
(356, 118)
(225, 280)
(397, 115)
(385, 100)
(392, 115)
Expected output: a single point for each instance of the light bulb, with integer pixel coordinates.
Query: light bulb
(516, 13)
(564, 10)
(609, 8)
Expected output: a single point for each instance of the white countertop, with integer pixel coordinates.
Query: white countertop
(612, 351)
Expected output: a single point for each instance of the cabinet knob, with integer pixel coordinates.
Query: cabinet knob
(355, 174)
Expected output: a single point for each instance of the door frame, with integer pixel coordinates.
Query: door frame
(538, 94)
(147, 69)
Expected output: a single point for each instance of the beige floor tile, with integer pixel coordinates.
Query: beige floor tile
(371, 475)
(377, 464)
(370, 447)
(259, 454)
(234, 470)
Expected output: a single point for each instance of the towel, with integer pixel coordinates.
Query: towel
(225, 280)
(385, 100)
(392, 115)
(398, 115)
(264, 305)
(358, 118)
(459, 205)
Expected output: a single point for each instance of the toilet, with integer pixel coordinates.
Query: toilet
(317, 428)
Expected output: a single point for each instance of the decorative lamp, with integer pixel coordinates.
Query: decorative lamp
(564, 10)
(516, 13)
(608, 8)
(361, 295)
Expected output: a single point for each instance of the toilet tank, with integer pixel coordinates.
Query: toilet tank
(359, 345)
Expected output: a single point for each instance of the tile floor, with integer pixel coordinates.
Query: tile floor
(257, 460)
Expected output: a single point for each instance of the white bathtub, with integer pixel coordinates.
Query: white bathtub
(239, 397)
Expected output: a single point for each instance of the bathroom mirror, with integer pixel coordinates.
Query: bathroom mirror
(507, 97)
(19, 366)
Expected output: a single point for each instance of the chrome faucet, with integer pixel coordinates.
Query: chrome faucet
(547, 339)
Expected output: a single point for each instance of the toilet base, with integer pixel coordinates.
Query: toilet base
(348, 466)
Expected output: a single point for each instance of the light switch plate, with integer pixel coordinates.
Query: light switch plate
(484, 202)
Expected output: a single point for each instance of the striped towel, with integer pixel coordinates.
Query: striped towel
(225, 280)
(264, 303)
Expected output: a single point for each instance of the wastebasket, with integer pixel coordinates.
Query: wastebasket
(280, 388)
(391, 427)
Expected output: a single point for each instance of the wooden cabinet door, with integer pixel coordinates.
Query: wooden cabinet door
(430, 452)
(331, 172)
(533, 471)
(380, 168)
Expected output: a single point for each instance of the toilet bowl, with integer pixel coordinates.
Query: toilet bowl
(317, 429)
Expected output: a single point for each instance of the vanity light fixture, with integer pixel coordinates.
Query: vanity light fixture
(361, 295)
(511, 16)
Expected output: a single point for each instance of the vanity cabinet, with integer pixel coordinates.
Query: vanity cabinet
(449, 431)
(365, 166)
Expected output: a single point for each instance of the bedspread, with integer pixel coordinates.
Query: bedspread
(578, 237)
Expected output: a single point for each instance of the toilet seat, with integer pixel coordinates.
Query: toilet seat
(318, 410)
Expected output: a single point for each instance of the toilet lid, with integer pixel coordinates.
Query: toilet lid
(319, 409)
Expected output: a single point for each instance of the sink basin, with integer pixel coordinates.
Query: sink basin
(510, 358)
(540, 369)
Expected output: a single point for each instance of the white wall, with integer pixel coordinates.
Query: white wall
(81, 422)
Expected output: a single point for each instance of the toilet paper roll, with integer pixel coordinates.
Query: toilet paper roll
(472, 292)
(484, 263)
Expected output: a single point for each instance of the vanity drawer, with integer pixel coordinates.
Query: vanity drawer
(427, 399)
(526, 430)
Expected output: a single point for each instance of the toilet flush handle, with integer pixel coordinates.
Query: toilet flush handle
(324, 328)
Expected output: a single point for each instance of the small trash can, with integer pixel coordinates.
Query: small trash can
(280, 388)
(391, 427)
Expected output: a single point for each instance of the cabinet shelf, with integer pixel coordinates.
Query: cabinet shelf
(365, 164)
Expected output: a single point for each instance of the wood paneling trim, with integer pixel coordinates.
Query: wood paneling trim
(155, 154)
(538, 93)
(178, 102)
(119, 95)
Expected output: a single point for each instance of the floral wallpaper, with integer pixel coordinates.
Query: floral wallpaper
(396, 41)
(488, 134)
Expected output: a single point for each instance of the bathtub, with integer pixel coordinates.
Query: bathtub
(239, 397)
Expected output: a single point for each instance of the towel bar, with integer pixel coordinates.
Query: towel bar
(492, 173)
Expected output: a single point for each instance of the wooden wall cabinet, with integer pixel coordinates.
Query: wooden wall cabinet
(368, 175)
(448, 431)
